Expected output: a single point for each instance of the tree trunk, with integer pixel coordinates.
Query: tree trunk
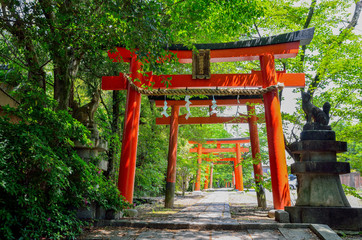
(112, 153)
(65, 71)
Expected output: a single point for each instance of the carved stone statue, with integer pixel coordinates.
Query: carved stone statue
(85, 113)
(319, 116)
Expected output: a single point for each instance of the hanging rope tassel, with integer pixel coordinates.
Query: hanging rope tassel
(187, 105)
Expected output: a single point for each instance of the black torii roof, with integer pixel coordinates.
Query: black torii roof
(305, 36)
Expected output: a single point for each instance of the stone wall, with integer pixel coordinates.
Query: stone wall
(352, 179)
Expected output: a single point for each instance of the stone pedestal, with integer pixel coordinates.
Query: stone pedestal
(87, 152)
(321, 198)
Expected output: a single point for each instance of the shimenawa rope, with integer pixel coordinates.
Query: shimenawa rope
(203, 91)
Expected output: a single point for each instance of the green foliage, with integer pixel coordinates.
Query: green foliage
(152, 154)
(186, 168)
(265, 184)
(352, 134)
(351, 191)
(211, 21)
(223, 173)
(65, 47)
(43, 180)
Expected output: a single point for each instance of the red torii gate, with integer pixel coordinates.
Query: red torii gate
(264, 49)
(237, 150)
(216, 162)
(233, 179)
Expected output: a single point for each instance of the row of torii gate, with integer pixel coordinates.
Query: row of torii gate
(237, 167)
(234, 86)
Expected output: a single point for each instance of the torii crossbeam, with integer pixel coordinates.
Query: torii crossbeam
(206, 102)
(266, 50)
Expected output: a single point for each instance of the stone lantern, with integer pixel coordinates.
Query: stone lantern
(321, 198)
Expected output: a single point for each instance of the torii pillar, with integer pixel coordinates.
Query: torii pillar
(273, 119)
(233, 181)
(127, 165)
(172, 158)
(239, 185)
(211, 174)
(206, 184)
(255, 150)
(198, 176)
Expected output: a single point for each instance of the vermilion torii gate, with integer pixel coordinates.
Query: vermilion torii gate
(237, 163)
(266, 50)
(209, 173)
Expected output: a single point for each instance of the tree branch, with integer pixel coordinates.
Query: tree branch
(310, 14)
(306, 25)
(257, 30)
(44, 64)
(104, 105)
(11, 46)
(12, 60)
(48, 13)
(341, 37)
(356, 15)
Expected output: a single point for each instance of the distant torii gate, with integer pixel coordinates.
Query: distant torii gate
(226, 183)
(263, 49)
(216, 162)
(237, 163)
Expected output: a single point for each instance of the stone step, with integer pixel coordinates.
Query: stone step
(314, 233)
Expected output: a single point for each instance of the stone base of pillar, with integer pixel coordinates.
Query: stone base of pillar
(95, 212)
(260, 195)
(170, 194)
(343, 218)
(321, 198)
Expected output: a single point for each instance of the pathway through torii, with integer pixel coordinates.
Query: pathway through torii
(175, 120)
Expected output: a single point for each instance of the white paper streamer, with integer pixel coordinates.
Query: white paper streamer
(213, 106)
(164, 113)
(187, 105)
